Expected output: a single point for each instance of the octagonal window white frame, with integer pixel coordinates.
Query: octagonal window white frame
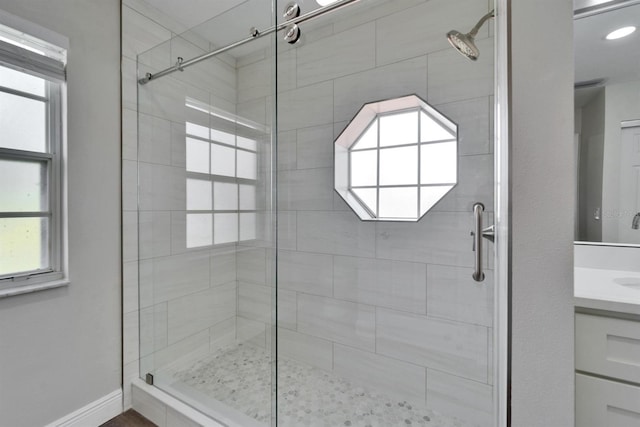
(396, 159)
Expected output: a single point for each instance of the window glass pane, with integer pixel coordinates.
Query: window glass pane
(399, 202)
(225, 228)
(364, 168)
(439, 163)
(23, 186)
(247, 197)
(197, 130)
(22, 123)
(22, 81)
(369, 138)
(247, 226)
(429, 196)
(398, 129)
(369, 197)
(23, 245)
(247, 165)
(249, 144)
(223, 160)
(225, 196)
(198, 195)
(199, 230)
(399, 166)
(224, 137)
(430, 130)
(197, 156)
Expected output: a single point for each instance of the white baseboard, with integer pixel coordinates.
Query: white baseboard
(94, 414)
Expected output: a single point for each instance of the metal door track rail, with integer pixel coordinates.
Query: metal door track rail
(254, 34)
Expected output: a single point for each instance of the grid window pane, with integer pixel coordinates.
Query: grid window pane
(369, 197)
(430, 130)
(429, 196)
(399, 202)
(22, 123)
(439, 163)
(225, 196)
(224, 137)
(399, 166)
(399, 129)
(247, 165)
(247, 197)
(23, 245)
(21, 81)
(199, 230)
(249, 144)
(198, 195)
(364, 168)
(197, 155)
(197, 130)
(23, 187)
(247, 226)
(369, 138)
(223, 160)
(225, 228)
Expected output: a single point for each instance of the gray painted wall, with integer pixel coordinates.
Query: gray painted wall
(542, 199)
(60, 349)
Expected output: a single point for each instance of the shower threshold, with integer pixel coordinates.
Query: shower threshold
(233, 385)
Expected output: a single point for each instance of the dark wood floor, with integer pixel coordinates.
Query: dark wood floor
(129, 419)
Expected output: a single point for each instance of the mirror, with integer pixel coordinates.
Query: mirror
(607, 122)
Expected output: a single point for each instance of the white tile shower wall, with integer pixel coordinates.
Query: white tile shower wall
(188, 298)
(390, 306)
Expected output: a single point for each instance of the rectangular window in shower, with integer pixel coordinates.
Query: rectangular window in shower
(221, 186)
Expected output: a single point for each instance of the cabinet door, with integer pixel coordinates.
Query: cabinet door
(608, 347)
(604, 403)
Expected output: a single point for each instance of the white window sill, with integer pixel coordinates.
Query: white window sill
(36, 287)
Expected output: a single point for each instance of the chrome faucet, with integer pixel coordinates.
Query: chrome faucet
(635, 224)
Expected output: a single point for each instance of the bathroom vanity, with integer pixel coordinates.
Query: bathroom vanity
(607, 336)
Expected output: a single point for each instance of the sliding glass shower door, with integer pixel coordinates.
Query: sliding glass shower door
(381, 122)
(305, 206)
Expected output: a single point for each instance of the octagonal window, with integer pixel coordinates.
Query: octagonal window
(396, 160)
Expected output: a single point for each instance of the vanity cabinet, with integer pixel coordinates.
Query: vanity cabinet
(607, 370)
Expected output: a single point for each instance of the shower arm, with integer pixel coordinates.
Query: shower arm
(476, 28)
(254, 34)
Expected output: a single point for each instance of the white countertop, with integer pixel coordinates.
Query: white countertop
(612, 290)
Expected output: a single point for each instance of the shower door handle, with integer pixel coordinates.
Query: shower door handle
(478, 233)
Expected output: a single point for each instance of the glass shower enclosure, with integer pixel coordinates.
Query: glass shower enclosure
(305, 203)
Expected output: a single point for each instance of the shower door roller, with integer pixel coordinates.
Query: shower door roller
(478, 233)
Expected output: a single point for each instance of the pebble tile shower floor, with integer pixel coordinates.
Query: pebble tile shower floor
(240, 377)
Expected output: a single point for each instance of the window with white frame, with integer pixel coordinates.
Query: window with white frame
(396, 160)
(222, 174)
(32, 76)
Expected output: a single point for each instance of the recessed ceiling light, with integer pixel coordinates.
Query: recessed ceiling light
(620, 32)
(325, 2)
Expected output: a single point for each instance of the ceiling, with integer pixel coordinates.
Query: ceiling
(613, 60)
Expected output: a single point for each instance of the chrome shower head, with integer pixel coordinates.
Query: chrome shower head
(465, 43)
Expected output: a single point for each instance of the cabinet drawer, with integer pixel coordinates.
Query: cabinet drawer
(601, 403)
(608, 346)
